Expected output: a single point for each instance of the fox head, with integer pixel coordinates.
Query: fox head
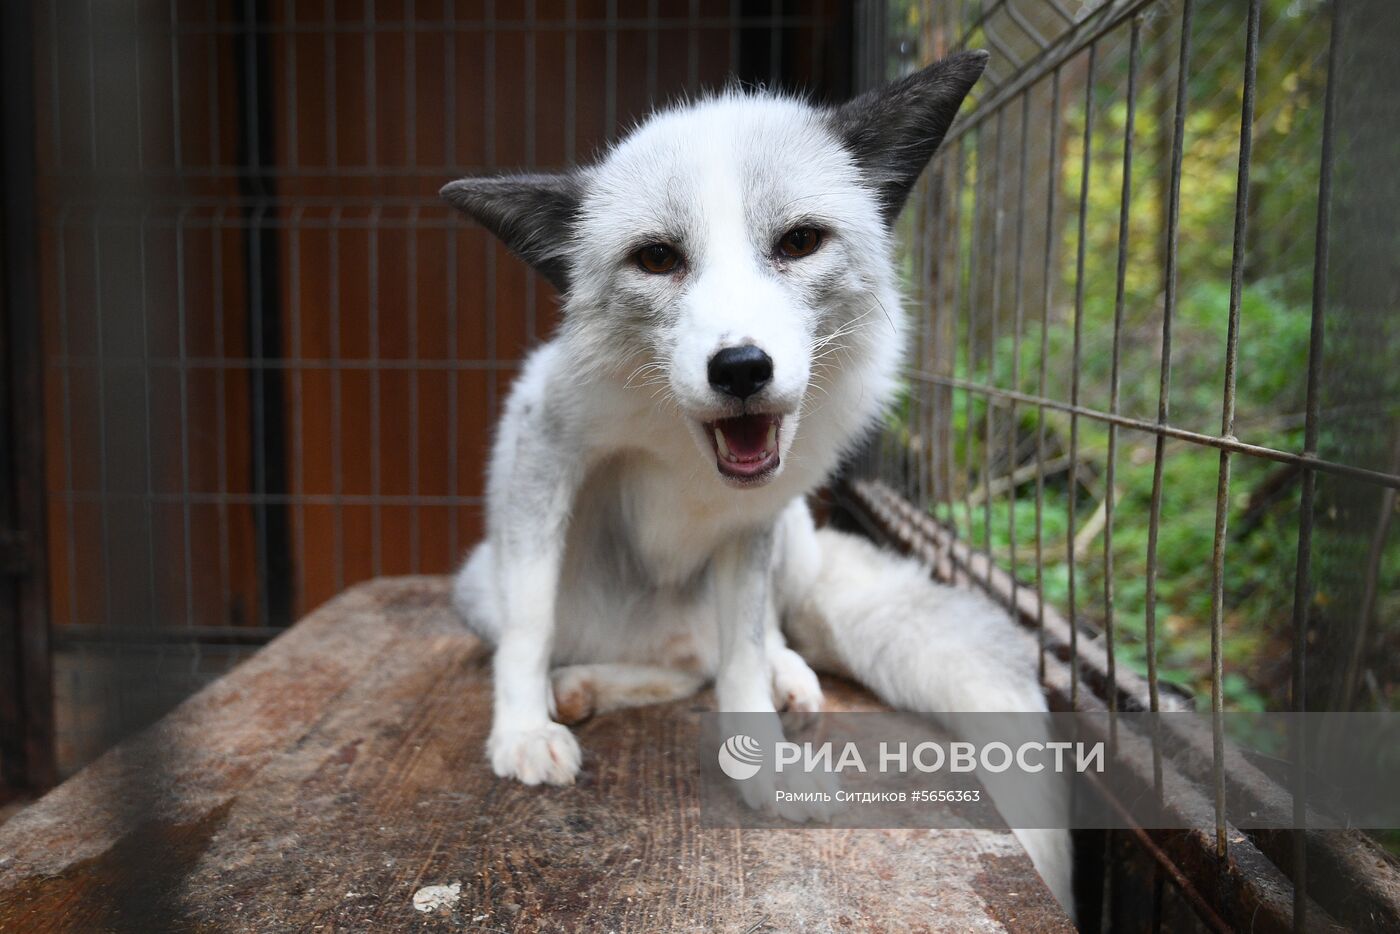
(735, 253)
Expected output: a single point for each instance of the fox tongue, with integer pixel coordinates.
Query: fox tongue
(747, 436)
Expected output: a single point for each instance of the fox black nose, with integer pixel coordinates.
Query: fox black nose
(740, 371)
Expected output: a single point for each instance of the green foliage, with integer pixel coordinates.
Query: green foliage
(1274, 325)
(1259, 572)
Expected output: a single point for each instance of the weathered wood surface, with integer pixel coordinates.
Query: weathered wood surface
(326, 780)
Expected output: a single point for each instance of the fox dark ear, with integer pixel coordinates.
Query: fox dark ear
(893, 131)
(534, 215)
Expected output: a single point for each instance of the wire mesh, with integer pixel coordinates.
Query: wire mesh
(1144, 189)
(272, 356)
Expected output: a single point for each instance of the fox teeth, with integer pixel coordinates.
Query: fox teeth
(772, 441)
(722, 446)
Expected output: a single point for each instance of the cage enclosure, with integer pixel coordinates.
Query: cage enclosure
(253, 361)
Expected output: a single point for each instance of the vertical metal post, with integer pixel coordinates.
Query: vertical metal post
(256, 156)
(959, 169)
(488, 148)
(1227, 428)
(411, 228)
(1124, 209)
(449, 158)
(1074, 371)
(376, 370)
(1302, 581)
(975, 226)
(1154, 516)
(1019, 311)
(995, 272)
(1052, 185)
(26, 693)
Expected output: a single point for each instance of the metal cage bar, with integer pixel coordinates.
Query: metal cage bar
(1302, 581)
(27, 759)
(259, 193)
(1074, 373)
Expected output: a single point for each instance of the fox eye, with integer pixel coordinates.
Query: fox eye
(800, 242)
(658, 258)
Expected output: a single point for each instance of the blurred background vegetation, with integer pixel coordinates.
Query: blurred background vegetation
(986, 279)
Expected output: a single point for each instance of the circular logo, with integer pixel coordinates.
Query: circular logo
(740, 757)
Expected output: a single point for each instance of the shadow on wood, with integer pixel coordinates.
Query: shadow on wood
(324, 782)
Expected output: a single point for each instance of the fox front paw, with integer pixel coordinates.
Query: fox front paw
(795, 686)
(547, 754)
(794, 796)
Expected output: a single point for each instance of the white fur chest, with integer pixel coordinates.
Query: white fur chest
(667, 520)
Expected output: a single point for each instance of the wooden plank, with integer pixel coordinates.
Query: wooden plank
(329, 778)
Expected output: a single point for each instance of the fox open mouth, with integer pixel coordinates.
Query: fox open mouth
(746, 446)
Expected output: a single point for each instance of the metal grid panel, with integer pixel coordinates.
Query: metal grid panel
(272, 356)
(1052, 248)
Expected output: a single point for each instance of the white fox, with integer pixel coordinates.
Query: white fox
(731, 329)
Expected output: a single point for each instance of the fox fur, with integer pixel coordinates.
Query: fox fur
(731, 330)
